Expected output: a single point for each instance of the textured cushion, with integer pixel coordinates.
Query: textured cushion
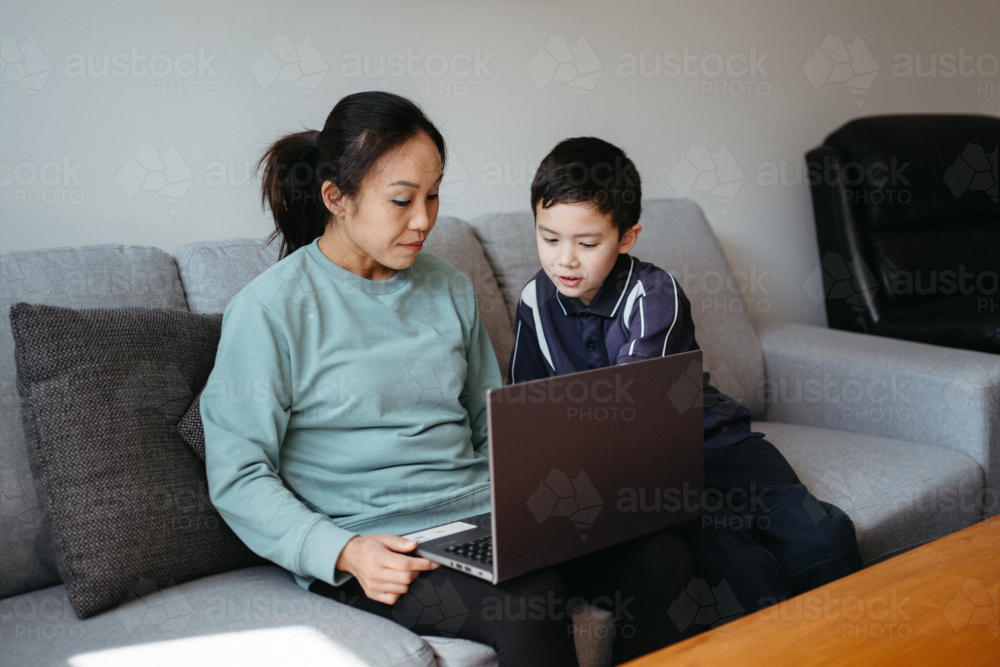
(899, 494)
(676, 237)
(100, 276)
(191, 430)
(103, 390)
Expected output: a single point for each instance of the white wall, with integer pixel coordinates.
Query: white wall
(67, 137)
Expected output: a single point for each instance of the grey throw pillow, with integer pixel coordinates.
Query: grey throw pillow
(191, 430)
(127, 501)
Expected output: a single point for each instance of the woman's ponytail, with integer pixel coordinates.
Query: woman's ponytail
(292, 191)
(358, 132)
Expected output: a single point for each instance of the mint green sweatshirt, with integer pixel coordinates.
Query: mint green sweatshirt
(340, 406)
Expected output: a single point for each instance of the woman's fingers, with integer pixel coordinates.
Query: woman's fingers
(402, 577)
(396, 543)
(397, 561)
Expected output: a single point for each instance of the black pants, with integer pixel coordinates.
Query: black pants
(528, 620)
(763, 537)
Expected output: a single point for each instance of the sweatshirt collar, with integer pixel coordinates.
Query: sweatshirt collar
(342, 275)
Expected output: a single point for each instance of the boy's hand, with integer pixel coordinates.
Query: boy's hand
(380, 566)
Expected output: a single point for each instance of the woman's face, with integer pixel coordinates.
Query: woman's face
(381, 229)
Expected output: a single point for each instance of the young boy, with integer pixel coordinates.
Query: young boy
(593, 305)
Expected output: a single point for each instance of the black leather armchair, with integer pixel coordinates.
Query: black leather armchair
(908, 226)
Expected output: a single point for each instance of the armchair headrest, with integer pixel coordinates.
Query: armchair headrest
(915, 169)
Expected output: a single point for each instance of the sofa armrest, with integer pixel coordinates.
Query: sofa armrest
(886, 387)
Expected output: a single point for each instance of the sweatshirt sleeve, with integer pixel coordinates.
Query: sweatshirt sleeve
(482, 374)
(245, 408)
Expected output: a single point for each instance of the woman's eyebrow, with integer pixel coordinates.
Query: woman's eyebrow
(411, 184)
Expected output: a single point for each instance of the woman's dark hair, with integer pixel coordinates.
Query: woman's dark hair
(361, 129)
(592, 171)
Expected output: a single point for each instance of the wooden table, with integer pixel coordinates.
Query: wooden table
(934, 605)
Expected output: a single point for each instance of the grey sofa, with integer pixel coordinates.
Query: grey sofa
(902, 436)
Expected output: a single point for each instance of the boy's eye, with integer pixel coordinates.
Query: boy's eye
(401, 203)
(433, 196)
(589, 245)
(549, 241)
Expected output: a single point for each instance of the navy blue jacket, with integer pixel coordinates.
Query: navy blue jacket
(639, 313)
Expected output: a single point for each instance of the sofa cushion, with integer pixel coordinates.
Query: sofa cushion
(103, 390)
(213, 272)
(191, 429)
(456, 242)
(676, 237)
(247, 599)
(100, 276)
(39, 628)
(899, 494)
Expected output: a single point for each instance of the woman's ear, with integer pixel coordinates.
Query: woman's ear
(333, 199)
(629, 238)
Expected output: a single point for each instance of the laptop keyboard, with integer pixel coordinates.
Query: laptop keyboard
(480, 550)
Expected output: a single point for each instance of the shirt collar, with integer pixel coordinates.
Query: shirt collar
(608, 298)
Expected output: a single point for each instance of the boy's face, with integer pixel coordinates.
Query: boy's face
(578, 246)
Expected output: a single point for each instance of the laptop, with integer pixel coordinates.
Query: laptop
(579, 463)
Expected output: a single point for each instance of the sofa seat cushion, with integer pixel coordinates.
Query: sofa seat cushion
(899, 494)
(39, 628)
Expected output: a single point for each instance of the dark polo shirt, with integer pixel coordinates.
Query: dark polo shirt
(639, 313)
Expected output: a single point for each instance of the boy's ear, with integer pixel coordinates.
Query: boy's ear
(629, 238)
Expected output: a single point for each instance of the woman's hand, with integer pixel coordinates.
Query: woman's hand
(380, 566)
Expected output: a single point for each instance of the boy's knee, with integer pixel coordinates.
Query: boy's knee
(539, 583)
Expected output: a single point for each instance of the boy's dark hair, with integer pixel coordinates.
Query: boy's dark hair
(590, 170)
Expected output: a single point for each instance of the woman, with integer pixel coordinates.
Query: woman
(347, 402)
